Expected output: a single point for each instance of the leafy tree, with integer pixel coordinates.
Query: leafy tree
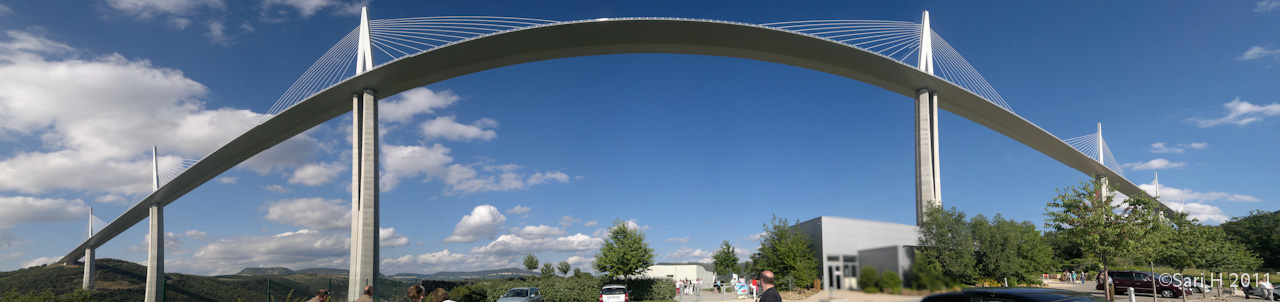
(1088, 216)
(564, 268)
(890, 282)
(947, 238)
(1257, 231)
(624, 253)
(530, 262)
(725, 259)
(926, 273)
(548, 270)
(786, 250)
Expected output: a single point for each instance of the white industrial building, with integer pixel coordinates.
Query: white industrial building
(845, 245)
(681, 272)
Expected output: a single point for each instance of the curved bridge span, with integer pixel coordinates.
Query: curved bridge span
(602, 37)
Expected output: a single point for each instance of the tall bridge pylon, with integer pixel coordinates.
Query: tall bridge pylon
(364, 174)
(928, 176)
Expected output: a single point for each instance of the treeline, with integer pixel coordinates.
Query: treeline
(576, 288)
(956, 251)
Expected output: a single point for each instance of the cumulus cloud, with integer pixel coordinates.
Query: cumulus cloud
(541, 177)
(1240, 113)
(18, 210)
(404, 106)
(512, 245)
(172, 244)
(1154, 164)
(684, 239)
(195, 234)
(410, 161)
(1176, 194)
(276, 188)
(484, 221)
(519, 210)
(302, 249)
(567, 220)
(389, 238)
(100, 114)
(584, 263)
(445, 261)
(590, 223)
(756, 237)
(1161, 147)
(447, 128)
(227, 179)
(316, 174)
(538, 231)
(434, 163)
(1203, 212)
(39, 261)
(152, 8)
(312, 213)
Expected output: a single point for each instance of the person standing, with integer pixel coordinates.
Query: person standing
(1267, 289)
(321, 296)
(368, 294)
(769, 293)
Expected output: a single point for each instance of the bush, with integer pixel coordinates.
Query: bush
(891, 283)
(572, 289)
(868, 279)
(469, 293)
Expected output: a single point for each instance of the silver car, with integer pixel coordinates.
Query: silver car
(521, 294)
(615, 293)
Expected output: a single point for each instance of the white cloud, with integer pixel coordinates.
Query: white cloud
(313, 213)
(1178, 195)
(1267, 5)
(308, 8)
(1154, 164)
(172, 245)
(538, 232)
(227, 179)
(4, 10)
(195, 234)
(567, 220)
(541, 178)
(445, 127)
(302, 249)
(684, 239)
(1161, 147)
(634, 224)
(404, 106)
(591, 223)
(685, 252)
(756, 237)
(276, 188)
(1240, 113)
(17, 210)
(151, 8)
(1203, 212)
(409, 161)
(389, 238)
(101, 114)
(512, 245)
(585, 264)
(445, 261)
(519, 210)
(484, 221)
(434, 163)
(39, 261)
(316, 174)
(1258, 52)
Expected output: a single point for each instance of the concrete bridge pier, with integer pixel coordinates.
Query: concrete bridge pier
(90, 270)
(155, 256)
(928, 189)
(364, 195)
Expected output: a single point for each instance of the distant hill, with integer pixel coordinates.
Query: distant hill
(266, 271)
(124, 281)
(452, 276)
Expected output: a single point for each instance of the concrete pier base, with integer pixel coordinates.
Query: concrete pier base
(928, 192)
(90, 269)
(364, 203)
(155, 257)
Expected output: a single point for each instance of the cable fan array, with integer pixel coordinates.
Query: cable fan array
(95, 225)
(169, 167)
(1089, 145)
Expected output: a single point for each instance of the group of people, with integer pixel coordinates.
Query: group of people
(688, 287)
(1073, 277)
(416, 293)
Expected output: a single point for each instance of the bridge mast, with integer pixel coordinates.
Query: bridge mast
(364, 175)
(928, 175)
(1103, 187)
(90, 269)
(155, 252)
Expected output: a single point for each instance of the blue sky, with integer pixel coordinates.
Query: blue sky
(541, 157)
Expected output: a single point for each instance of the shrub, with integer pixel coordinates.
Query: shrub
(869, 278)
(890, 282)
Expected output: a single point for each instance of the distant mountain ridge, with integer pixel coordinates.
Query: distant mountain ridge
(446, 276)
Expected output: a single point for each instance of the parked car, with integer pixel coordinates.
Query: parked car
(1141, 283)
(521, 294)
(1014, 294)
(615, 293)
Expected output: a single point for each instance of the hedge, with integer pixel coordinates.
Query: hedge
(565, 289)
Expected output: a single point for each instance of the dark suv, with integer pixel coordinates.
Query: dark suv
(1141, 283)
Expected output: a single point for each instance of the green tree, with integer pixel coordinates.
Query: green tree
(624, 252)
(564, 268)
(926, 273)
(948, 239)
(548, 270)
(530, 262)
(725, 259)
(1257, 232)
(1088, 216)
(786, 250)
(890, 282)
